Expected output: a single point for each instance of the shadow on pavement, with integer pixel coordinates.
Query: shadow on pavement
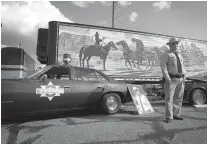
(77, 113)
(52, 115)
(15, 128)
(159, 133)
(159, 136)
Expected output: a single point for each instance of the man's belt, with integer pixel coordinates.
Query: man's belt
(176, 75)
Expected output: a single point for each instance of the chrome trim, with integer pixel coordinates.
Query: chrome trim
(7, 102)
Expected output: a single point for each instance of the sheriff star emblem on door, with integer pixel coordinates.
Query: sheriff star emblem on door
(49, 91)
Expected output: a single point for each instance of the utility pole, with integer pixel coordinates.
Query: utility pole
(113, 9)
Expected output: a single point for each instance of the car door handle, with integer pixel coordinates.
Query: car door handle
(66, 86)
(99, 87)
(7, 102)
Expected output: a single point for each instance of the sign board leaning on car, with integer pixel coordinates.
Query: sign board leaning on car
(140, 99)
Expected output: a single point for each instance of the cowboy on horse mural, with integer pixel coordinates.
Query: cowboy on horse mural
(97, 44)
(98, 40)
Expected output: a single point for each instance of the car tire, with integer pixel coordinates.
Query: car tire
(111, 103)
(198, 97)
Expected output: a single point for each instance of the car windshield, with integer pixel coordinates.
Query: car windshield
(37, 72)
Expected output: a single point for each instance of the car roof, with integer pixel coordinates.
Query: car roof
(75, 67)
(86, 68)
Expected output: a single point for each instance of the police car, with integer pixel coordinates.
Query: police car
(57, 87)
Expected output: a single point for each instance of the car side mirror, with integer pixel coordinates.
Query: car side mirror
(43, 77)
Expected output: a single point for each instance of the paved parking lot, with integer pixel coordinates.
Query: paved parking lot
(90, 127)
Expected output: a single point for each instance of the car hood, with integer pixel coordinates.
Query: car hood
(14, 80)
(197, 79)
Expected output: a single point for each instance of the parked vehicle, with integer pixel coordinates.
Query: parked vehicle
(195, 91)
(16, 63)
(56, 87)
(131, 56)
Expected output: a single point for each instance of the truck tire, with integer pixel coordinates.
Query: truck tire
(198, 97)
(111, 103)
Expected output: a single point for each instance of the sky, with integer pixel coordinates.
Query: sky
(21, 20)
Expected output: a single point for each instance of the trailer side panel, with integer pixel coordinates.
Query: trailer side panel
(137, 53)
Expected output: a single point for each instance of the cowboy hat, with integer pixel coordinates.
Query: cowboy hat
(67, 57)
(173, 40)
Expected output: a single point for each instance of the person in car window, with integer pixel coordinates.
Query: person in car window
(67, 63)
(66, 60)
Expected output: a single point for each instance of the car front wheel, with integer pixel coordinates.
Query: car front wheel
(111, 103)
(198, 97)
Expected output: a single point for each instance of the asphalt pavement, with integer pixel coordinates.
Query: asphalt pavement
(91, 127)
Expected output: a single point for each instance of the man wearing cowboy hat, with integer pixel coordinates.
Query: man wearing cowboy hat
(97, 44)
(98, 40)
(66, 63)
(173, 71)
(66, 59)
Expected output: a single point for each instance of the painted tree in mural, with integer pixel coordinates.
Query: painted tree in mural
(192, 55)
(198, 55)
(160, 50)
(64, 41)
(185, 51)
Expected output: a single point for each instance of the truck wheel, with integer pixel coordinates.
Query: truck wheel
(198, 97)
(111, 103)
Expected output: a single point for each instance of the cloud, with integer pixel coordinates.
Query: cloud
(103, 22)
(124, 3)
(106, 3)
(133, 16)
(82, 4)
(21, 21)
(26, 18)
(162, 5)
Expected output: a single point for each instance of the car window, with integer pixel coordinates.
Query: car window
(84, 74)
(36, 73)
(100, 77)
(62, 73)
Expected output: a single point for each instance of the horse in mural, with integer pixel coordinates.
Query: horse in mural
(144, 55)
(128, 54)
(91, 50)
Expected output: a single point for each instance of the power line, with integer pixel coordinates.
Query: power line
(120, 22)
(123, 11)
(135, 28)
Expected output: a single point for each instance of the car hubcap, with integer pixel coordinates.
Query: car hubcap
(112, 103)
(199, 98)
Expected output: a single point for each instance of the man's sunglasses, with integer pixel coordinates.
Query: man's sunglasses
(174, 43)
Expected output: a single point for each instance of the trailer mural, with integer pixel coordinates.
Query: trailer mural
(125, 52)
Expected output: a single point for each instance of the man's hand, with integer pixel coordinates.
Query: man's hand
(169, 80)
(184, 78)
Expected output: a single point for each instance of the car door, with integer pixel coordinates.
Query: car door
(47, 94)
(86, 88)
(19, 96)
(58, 89)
